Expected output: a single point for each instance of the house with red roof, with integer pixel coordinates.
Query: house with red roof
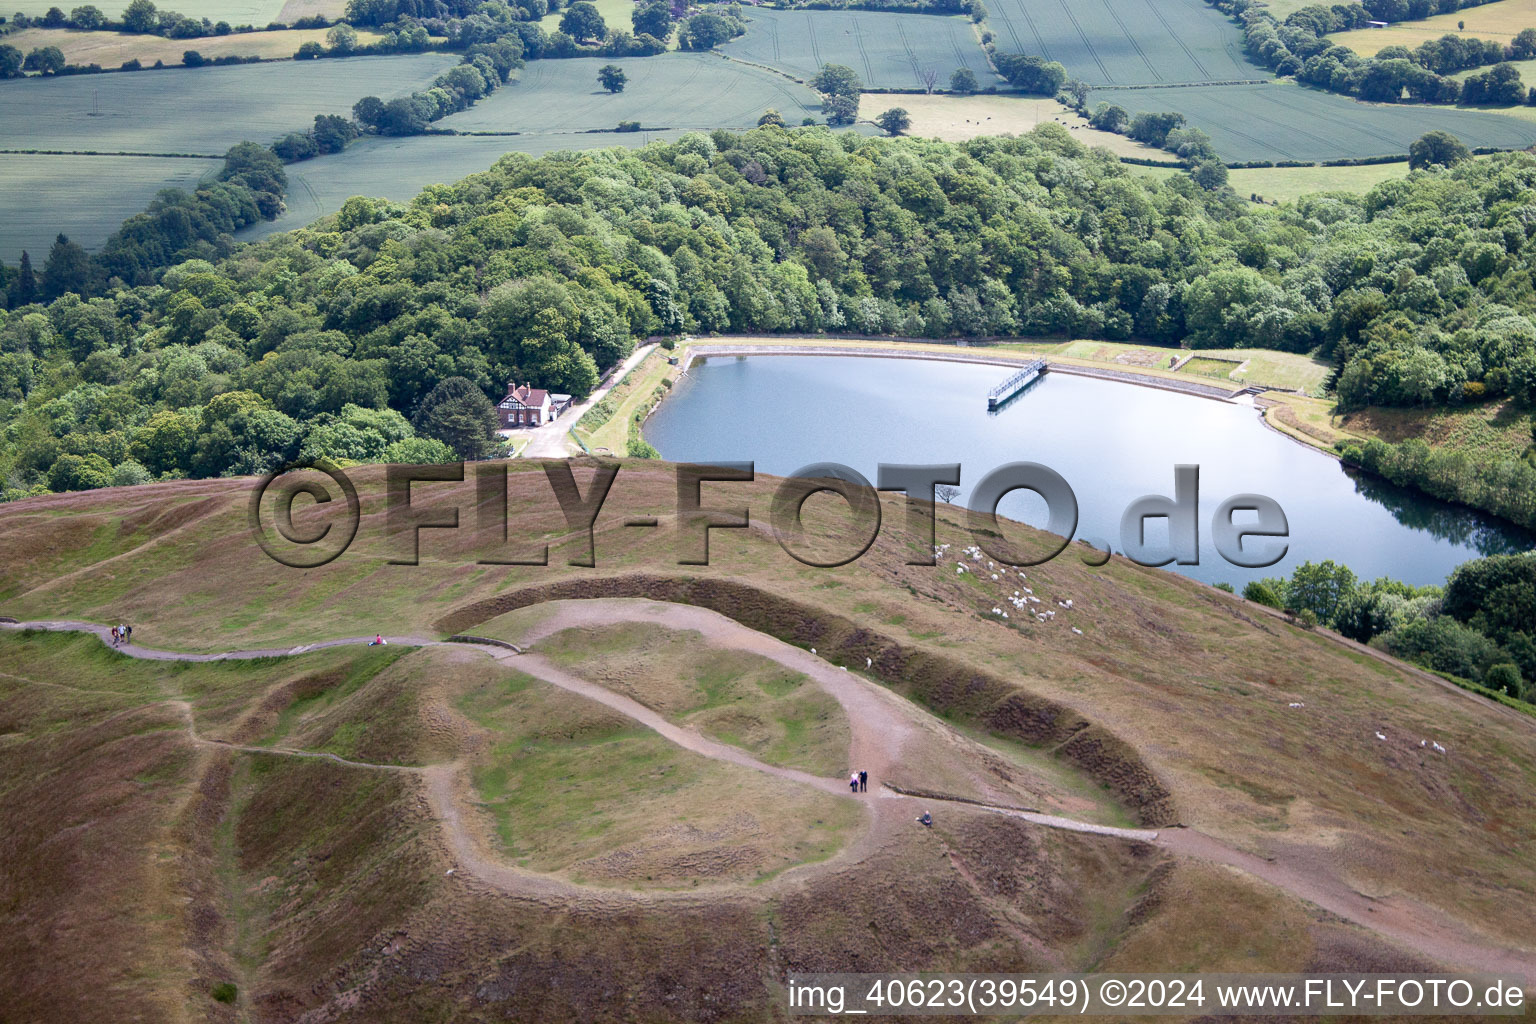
(528, 406)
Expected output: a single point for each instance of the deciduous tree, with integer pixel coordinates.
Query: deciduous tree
(1437, 147)
(894, 121)
(612, 77)
(582, 21)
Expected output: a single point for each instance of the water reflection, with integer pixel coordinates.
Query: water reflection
(1112, 441)
(1463, 526)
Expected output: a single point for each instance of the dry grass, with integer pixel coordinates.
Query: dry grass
(742, 699)
(575, 788)
(1286, 370)
(957, 118)
(112, 49)
(1501, 21)
(1309, 420)
(1492, 430)
(1196, 684)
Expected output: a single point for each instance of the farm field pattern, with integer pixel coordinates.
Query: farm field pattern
(1145, 55)
(888, 51)
(85, 198)
(202, 111)
(1288, 122)
(673, 90)
(1126, 42)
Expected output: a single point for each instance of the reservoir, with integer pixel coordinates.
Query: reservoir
(1112, 441)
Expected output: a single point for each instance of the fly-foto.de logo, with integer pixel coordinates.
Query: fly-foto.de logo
(1247, 530)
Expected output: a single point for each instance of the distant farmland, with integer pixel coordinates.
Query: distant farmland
(199, 110)
(111, 49)
(236, 12)
(86, 198)
(398, 169)
(888, 51)
(1288, 122)
(1126, 42)
(674, 90)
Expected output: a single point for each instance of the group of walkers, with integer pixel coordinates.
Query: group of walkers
(858, 782)
(120, 635)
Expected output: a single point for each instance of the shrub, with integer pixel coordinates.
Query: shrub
(1505, 678)
(1260, 593)
(225, 992)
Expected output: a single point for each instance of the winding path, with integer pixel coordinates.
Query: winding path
(880, 724)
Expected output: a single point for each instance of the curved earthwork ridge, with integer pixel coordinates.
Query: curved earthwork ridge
(734, 615)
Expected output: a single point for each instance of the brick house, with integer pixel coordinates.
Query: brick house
(525, 406)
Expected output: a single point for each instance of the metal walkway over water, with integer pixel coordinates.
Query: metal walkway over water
(1013, 385)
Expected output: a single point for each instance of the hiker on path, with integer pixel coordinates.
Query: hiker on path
(863, 781)
(115, 636)
(378, 641)
(127, 633)
(853, 782)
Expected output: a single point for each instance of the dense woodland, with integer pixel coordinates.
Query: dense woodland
(549, 269)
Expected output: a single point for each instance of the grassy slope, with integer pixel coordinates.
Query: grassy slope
(628, 397)
(103, 881)
(1501, 21)
(572, 787)
(738, 698)
(1495, 430)
(1184, 674)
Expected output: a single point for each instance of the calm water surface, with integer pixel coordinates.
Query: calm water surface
(1113, 443)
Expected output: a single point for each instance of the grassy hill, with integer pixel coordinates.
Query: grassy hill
(166, 841)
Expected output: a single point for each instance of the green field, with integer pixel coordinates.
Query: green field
(1283, 184)
(674, 90)
(1291, 371)
(398, 169)
(887, 51)
(1527, 69)
(199, 110)
(1288, 122)
(86, 198)
(1126, 42)
(616, 15)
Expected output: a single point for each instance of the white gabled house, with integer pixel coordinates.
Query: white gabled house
(528, 406)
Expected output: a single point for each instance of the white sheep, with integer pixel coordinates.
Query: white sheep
(1380, 736)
